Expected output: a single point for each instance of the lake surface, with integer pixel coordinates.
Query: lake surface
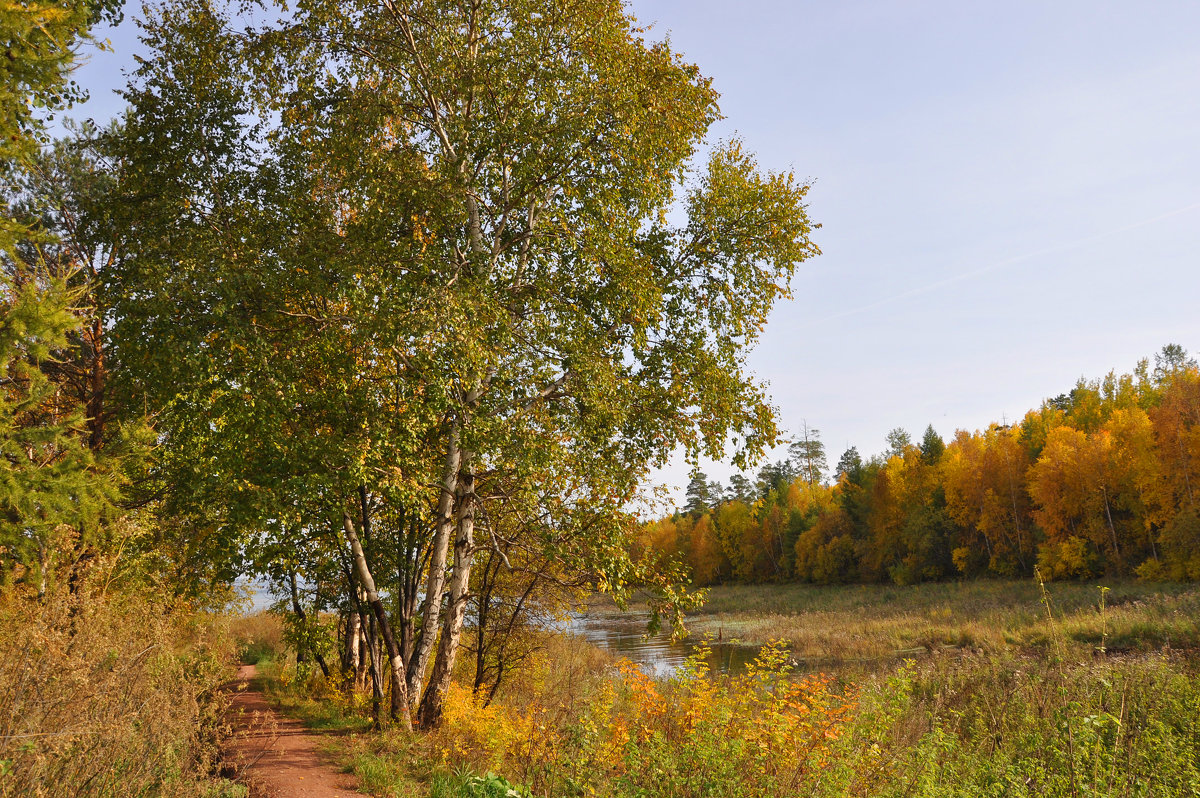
(657, 655)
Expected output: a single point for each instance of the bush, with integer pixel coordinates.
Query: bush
(761, 733)
(1073, 558)
(492, 786)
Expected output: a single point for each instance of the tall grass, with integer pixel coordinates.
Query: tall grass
(109, 694)
(258, 637)
(1065, 700)
(830, 626)
(1007, 725)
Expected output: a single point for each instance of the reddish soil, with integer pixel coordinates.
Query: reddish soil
(276, 756)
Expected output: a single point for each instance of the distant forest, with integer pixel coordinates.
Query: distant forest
(1101, 481)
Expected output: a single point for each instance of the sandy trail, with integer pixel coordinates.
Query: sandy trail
(276, 756)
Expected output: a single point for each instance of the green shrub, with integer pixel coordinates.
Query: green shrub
(492, 786)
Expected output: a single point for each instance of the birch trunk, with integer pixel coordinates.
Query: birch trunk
(436, 581)
(353, 657)
(464, 548)
(399, 710)
(365, 642)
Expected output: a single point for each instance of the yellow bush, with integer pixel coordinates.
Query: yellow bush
(624, 730)
(496, 737)
(1073, 558)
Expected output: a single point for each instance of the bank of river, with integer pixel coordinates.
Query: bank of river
(855, 629)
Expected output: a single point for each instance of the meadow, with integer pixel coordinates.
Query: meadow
(841, 625)
(1004, 690)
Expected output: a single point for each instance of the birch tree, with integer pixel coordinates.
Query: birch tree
(453, 253)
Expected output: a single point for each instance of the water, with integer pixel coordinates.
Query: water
(657, 655)
(257, 593)
(622, 635)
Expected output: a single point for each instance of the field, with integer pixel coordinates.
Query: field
(846, 624)
(937, 690)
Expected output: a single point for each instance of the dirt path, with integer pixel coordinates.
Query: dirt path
(276, 756)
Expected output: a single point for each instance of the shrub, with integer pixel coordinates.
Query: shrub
(762, 733)
(1073, 558)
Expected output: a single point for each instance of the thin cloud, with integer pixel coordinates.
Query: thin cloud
(969, 275)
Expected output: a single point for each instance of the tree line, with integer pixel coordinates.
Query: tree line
(391, 305)
(1102, 480)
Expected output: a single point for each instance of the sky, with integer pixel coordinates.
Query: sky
(1008, 194)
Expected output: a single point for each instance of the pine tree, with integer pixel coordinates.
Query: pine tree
(740, 489)
(932, 446)
(699, 495)
(808, 454)
(850, 465)
(51, 491)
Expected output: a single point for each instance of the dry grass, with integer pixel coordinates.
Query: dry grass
(880, 623)
(257, 636)
(828, 626)
(108, 694)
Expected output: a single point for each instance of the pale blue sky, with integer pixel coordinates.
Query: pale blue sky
(1009, 194)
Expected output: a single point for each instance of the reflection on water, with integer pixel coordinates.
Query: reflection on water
(657, 655)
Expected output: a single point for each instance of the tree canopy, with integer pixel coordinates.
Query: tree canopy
(1097, 481)
(451, 262)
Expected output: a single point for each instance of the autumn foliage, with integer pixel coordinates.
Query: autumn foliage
(694, 734)
(1100, 481)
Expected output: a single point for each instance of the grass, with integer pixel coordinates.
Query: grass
(1005, 699)
(258, 637)
(108, 691)
(302, 692)
(379, 774)
(1012, 725)
(856, 625)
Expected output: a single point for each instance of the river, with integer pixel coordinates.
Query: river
(621, 635)
(657, 655)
